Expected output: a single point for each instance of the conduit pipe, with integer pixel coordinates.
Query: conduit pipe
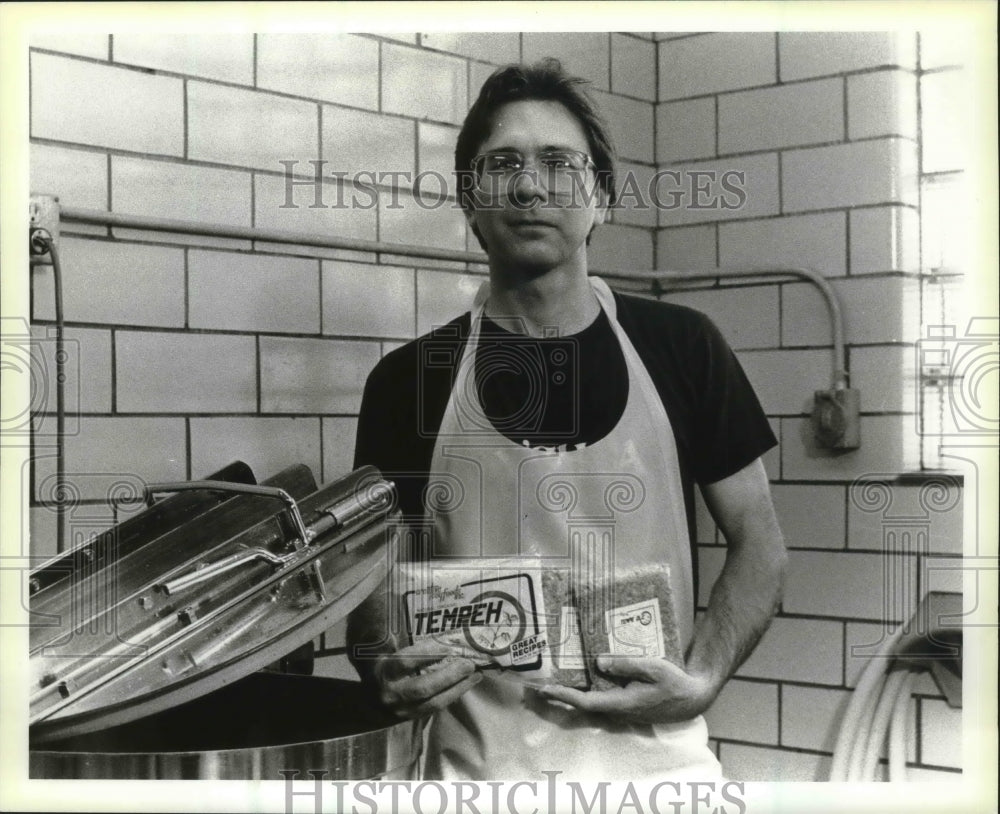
(656, 279)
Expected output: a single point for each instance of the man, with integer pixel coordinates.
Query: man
(553, 374)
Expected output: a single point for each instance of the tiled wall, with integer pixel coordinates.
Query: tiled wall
(192, 352)
(825, 127)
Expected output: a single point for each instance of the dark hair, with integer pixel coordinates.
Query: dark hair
(544, 81)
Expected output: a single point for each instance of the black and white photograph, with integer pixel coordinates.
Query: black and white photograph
(495, 407)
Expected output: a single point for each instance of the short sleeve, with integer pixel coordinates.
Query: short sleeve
(730, 427)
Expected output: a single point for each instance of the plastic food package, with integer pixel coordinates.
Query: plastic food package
(512, 615)
(537, 623)
(631, 615)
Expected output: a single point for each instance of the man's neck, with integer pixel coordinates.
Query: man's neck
(560, 300)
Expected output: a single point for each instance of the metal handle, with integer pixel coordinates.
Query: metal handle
(238, 488)
(212, 570)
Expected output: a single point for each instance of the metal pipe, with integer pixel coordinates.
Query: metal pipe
(656, 278)
(840, 374)
(100, 218)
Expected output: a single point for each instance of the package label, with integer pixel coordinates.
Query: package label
(570, 655)
(498, 616)
(636, 630)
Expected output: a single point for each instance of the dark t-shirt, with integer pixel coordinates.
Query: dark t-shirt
(718, 424)
(566, 392)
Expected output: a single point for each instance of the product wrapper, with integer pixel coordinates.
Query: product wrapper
(513, 615)
(630, 615)
(535, 622)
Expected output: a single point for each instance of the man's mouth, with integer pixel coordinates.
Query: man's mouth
(532, 222)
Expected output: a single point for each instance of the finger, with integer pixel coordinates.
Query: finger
(622, 702)
(410, 659)
(446, 698)
(650, 670)
(417, 688)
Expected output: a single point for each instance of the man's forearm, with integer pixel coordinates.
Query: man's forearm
(748, 591)
(740, 608)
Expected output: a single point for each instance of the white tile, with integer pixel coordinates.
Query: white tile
(498, 47)
(885, 238)
(811, 516)
(359, 141)
(806, 650)
(117, 283)
(888, 444)
(185, 373)
(78, 101)
(685, 130)
(423, 85)
(224, 56)
(321, 376)
(817, 242)
(882, 104)
(360, 299)
(267, 445)
(716, 62)
(882, 171)
(745, 711)
(708, 191)
(617, 247)
(850, 585)
(338, 446)
(582, 53)
(332, 67)
(633, 67)
(442, 296)
(631, 124)
(757, 763)
(178, 191)
(686, 248)
(811, 717)
(946, 116)
(242, 292)
(784, 116)
(819, 53)
(342, 211)
(82, 43)
(261, 130)
(76, 177)
(785, 380)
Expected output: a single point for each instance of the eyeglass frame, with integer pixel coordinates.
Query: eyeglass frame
(588, 161)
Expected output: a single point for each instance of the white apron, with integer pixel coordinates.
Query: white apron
(621, 499)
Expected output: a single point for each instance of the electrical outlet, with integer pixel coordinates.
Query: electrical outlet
(43, 214)
(836, 418)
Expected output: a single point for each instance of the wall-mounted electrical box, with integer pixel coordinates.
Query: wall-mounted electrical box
(43, 221)
(836, 418)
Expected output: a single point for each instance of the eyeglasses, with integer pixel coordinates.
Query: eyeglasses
(558, 169)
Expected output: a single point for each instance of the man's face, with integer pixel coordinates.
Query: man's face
(529, 228)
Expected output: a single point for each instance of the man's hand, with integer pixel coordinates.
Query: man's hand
(658, 692)
(420, 679)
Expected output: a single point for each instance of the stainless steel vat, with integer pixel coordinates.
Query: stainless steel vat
(147, 653)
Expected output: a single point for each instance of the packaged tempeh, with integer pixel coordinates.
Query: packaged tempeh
(512, 614)
(631, 614)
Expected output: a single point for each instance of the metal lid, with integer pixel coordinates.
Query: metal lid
(171, 610)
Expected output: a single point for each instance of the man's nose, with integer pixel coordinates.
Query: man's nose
(527, 186)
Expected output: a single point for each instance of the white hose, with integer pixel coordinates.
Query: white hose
(863, 699)
(865, 761)
(899, 730)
